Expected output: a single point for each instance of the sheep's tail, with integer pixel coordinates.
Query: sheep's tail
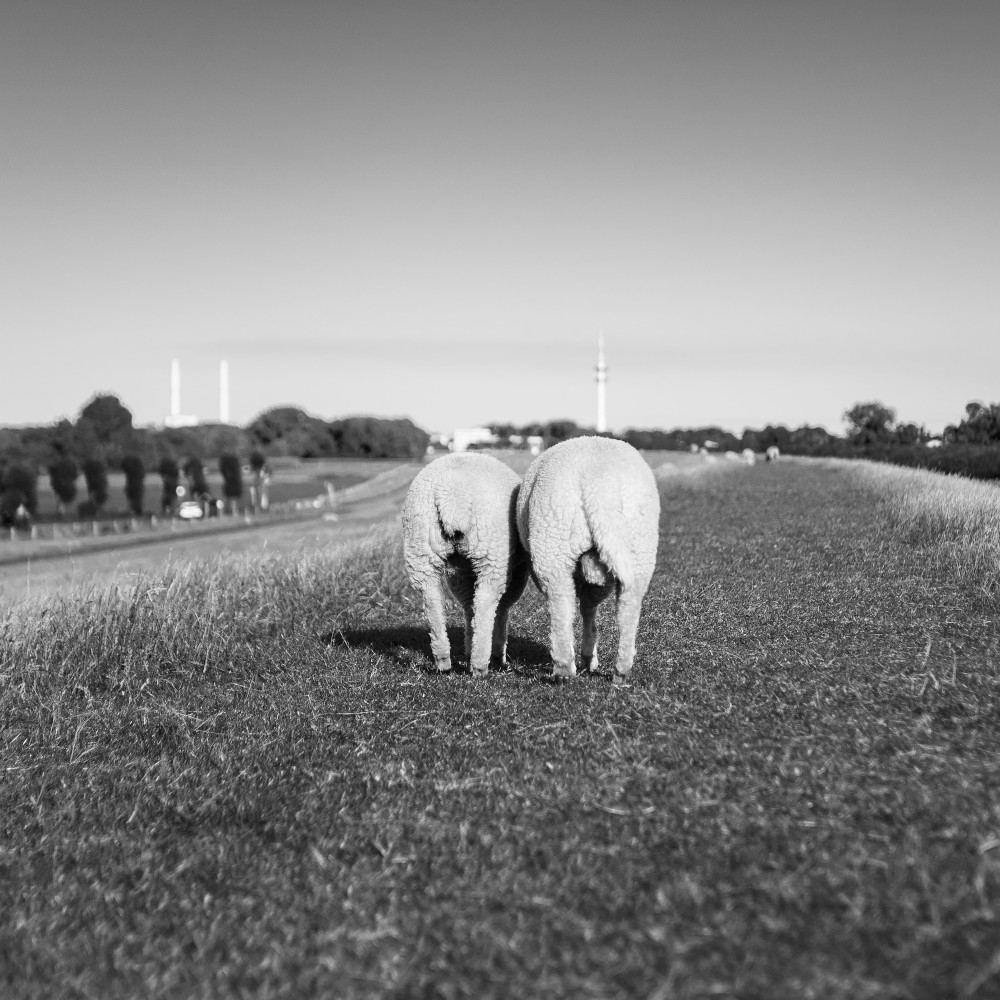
(611, 528)
(611, 555)
(592, 569)
(446, 535)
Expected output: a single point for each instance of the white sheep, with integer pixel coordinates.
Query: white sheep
(749, 456)
(459, 529)
(772, 454)
(588, 514)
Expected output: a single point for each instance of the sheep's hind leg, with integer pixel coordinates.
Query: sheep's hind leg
(434, 609)
(629, 606)
(470, 632)
(461, 579)
(562, 608)
(591, 597)
(498, 650)
(518, 581)
(484, 610)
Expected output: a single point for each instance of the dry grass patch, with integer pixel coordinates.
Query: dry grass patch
(957, 519)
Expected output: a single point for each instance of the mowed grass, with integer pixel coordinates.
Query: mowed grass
(242, 779)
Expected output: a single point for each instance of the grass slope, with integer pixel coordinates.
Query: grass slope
(242, 780)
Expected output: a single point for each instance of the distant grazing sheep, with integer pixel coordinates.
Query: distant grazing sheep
(772, 454)
(749, 456)
(459, 529)
(588, 514)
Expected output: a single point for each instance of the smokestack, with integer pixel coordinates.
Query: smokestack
(175, 418)
(223, 392)
(175, 388)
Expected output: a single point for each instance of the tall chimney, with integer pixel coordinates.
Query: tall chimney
(223, 392)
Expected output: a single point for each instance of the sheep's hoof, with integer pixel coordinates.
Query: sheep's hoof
(622, 681)
(563, 673)
(443, 666)
(480, 671)
(591, 665)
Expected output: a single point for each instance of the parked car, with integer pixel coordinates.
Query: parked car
(190, 510)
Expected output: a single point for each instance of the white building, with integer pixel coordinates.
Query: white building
(463, 437)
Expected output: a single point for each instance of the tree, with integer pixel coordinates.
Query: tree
(560, 430)
(910, 434)
(135, 487)
(171, 476)
(288, 430)
(980, 426)
(95, 475)
(18, 493)
(869, 423)
(197, 483)
(232, 478)
(63, 473)
(106, 414)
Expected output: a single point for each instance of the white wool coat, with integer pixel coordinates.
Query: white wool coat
(588, 514)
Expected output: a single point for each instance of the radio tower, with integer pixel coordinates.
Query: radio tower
(601, 378)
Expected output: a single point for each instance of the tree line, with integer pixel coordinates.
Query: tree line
(104, 437)
(970, 447)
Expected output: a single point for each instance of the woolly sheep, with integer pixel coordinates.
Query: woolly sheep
(772, 453)
(749, 456)
(459, 529)
(588, 514)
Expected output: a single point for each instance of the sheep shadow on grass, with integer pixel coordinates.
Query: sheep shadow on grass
(411, 647)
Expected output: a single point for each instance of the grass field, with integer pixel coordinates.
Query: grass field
(240, 778)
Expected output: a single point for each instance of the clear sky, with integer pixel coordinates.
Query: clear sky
(432, 209)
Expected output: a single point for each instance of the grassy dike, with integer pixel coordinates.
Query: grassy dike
(241, 779)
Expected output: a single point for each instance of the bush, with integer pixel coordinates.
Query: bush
(970, 460)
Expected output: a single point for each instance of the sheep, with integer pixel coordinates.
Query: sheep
(459, 530)
(749, 456)
(588, 514)
(772, 453)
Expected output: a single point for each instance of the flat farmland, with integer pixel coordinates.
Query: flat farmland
(292, 479)
(243, 778)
